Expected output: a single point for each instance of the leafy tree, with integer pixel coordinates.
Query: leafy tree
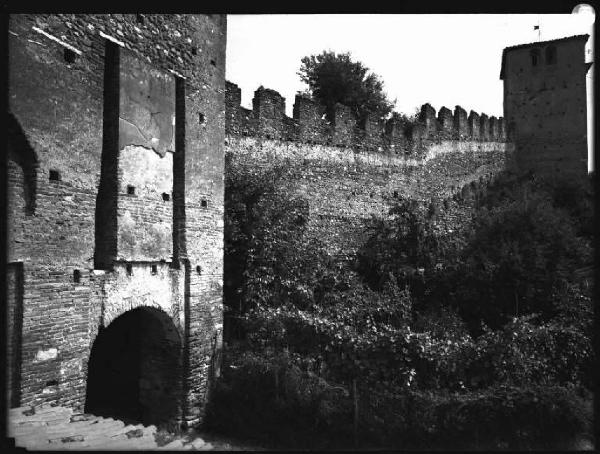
(527, 242)
(406, 245)
(524, 248)
(269, 260)
(335, 78)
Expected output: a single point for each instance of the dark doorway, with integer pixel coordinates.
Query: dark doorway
(134, 371)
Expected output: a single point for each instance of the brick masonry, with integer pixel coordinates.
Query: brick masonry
(87, 259)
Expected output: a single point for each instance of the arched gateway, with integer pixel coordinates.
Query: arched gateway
(134, 371)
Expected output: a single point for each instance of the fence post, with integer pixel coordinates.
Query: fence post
(355, 398)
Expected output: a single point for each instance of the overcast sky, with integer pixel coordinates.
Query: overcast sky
(440, 59)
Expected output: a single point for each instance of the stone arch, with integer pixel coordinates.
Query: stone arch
(22, 153)
(131, 285)
(135, 369)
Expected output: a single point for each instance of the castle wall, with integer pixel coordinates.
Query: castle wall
(345, 188)
(71, 134)
(349, 171)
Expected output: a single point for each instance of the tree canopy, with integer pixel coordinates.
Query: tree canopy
(335, 78)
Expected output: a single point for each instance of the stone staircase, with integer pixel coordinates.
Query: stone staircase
(58, 428)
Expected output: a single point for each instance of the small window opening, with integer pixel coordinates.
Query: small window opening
(550, 55)
(69, 55)
(198, 269)
(153, 269)
(54, 175)
(535, 57)
(194, 50)
(201, 118)
(130, 190)
(166, 196)
(203, 203)
(52, 383)
(212, 62)
(76, 276)
(129, 268)
(396, 194)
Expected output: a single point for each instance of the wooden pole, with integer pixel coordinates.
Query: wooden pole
(355, 398)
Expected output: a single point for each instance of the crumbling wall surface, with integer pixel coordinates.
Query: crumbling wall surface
(146, 144)
(145, 208)
(351, 170)
(345, 187)
(169, 133)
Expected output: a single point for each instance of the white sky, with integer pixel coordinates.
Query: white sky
(440, 59)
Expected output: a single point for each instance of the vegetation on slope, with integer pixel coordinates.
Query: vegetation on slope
(480, 338)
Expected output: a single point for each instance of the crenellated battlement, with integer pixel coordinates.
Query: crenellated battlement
(267, 119)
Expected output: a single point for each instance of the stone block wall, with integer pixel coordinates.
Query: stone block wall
(350, 170)
(130, 100)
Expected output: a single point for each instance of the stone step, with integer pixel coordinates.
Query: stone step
(18, 411)
(48, 419)
(105, 425)
(19, 430)
(58, 428)
(39, 446)
(118, 437)
(92, 438)
(31, 439)
(44, 409)
(77, 445)
(131, 444)
(30, 435)
(198, 443)
(64, 439)
(58, 421)
(130, 429)
(150, 429)
(175, 444)
(72, 427)
(84, 417)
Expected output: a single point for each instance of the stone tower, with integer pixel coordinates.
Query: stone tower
(545, 104)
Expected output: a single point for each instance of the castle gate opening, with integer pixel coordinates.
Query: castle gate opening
(134, 370)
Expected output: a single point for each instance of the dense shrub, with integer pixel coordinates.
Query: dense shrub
(267, 398)
(264, 396)
(499, 417)
(527, 241)
(524, 353)
(522, 249)
(479, 340)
